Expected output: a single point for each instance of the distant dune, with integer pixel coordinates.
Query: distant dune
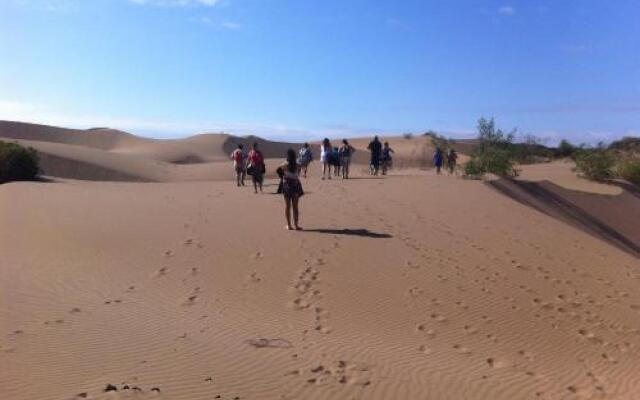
(110, 155)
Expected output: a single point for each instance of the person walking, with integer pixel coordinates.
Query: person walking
(437, 159)
(335, 161)
(325, 158)
(292, 190)
(376, 151)
(346, 151)
(256, 167)
(239, 158)
(452, 159)
(305, 156)
(387, 159)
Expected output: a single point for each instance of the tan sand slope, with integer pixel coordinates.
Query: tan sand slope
(408, 287)
(110, 155)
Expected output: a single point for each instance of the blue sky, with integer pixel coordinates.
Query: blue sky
(305, 69)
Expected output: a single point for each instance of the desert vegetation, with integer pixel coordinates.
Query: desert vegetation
(17, 163)
(619, 160)
(495, 152)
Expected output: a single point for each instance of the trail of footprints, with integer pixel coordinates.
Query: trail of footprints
(307, 296)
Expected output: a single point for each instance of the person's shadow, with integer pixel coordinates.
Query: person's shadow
(351, 232)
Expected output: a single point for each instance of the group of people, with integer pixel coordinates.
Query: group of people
(448, 159)
(251, 163)
(380, 157)
(335, 161)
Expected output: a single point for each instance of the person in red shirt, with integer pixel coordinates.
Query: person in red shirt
(239, 158)
(256, 167)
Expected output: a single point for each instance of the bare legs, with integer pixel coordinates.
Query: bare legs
(240, 174)
(292, 202)
(345, 168)
(257, 183)
(326, 170)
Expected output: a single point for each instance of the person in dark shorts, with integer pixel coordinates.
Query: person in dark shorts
(387, 159)
(239, 158)
(452, 159)
(376, 152)
(346, 151)
(437, 159)
(256, 167)
(291, 189)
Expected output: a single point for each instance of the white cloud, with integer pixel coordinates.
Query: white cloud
(220, 25)
(231, 25)
(176, 3)
(506, 10)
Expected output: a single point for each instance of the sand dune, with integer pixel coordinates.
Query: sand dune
(409, 287)
(109, 155)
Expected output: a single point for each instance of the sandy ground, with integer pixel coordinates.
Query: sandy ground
(410, 286)
(400, 288)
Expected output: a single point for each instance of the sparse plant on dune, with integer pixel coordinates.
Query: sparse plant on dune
(407, 135)
(565, 149)
(629, 170)
(493, 154)
(441, 142)
(17, 163)
(595, 163)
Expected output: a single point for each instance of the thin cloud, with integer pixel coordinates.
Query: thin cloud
(222, 25)
(506, 10)
(231, 25)
(176, 3)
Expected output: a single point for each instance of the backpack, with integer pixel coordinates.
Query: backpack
(257, 158)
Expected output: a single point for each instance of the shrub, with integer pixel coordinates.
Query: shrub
(565, 149)
(531, 150)
(596, 164)
(407, 135)
(474, 169)
(629, 170)
(627, 144)
(494, 153)
(17, 163)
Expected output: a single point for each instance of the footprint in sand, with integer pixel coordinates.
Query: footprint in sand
(189, 301)
(253, 278)
(161, 272)
(438, 317)
(74, 310)
(493, 363)
(195, 270)
(188, 242)
(168, 253)
(461, 349)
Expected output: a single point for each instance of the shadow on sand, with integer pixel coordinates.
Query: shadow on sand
(352, 232)
(607, 217)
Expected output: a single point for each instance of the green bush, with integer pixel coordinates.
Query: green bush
(596, 164)
(565, 149)
(494, 153)
(474, 169)
(17, 163)
(629, 170)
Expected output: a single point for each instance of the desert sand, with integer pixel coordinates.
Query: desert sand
(409, 286)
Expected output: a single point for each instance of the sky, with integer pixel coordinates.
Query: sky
(304, 69)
